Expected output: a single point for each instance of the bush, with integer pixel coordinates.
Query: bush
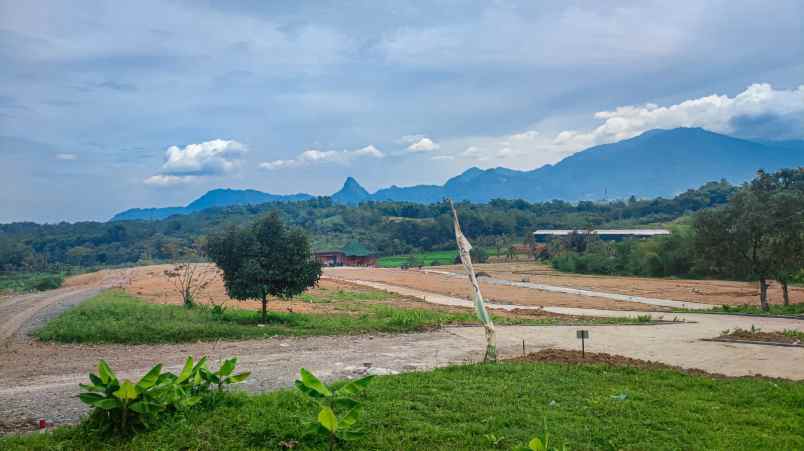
(48, 282)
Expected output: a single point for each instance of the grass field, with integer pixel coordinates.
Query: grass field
(582, 406)
(27, 282)
(775, 309)
(117, 317)
(426, 258)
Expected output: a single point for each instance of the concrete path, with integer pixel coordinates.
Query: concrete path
(580, 292)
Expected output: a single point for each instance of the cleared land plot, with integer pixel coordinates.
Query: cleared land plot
(581, 406)
(716, 292)
(459, 287)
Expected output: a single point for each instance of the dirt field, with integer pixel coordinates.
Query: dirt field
(716, 292)
(151, 284)
(458, 287)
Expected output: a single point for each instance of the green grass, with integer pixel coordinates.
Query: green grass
(454, 408)
(116, 317)
(24, 282)
(427, 258)
(775, 309)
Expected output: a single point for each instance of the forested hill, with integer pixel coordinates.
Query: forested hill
(656, 163)
(386, 227)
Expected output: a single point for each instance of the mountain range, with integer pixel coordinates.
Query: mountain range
(655, 163)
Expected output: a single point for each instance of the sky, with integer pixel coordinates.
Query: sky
(109, 105)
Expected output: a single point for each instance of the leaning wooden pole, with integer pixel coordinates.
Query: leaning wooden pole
(464, 249)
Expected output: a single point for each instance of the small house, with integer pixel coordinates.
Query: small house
(353, 254)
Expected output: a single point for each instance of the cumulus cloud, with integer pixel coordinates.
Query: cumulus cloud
(214, 157)
(66, 156)
(718, 113)
(169, 180)
(423, 145)
(185, 164)
(759, 111)
(315, 156)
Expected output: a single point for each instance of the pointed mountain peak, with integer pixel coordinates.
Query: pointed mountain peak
(351, 193)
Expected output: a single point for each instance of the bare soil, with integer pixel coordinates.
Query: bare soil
(150, 283)
(498, 294)
(716, 292)
(770, 337)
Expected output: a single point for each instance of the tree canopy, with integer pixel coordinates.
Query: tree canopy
(265, 259)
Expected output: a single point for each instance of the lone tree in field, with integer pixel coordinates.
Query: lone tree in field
(759, 234)
(266, 259)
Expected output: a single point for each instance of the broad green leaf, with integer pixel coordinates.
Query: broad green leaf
(92, 388)
(356, 386)
(238, 377)
(106, 373)
(327, 418)
(127, 391)
(227, 367)
(96, 380)
(108, 404)
(90, 398)
(312, 382)
(186, 372)
(350, 418)
(150, 378)
(345, 404)
(201, 364)
(307, 390)
(536, 445)
(139, 407)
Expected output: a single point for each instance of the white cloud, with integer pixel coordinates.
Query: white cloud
(719, 113)
(169, 180)
(424, 145)
(715, 112)
(314, 156)
(66, 156)
(207, 158)
(443, 158)
(185, 164)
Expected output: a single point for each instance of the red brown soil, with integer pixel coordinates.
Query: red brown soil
(458, 287)
(770, 337)
(716, 292)
(151, 284)
(577, 358)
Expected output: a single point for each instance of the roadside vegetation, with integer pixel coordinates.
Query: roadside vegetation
(23, 282)
(485, 407)
(792, 310)
(116, 317)
(757, 235)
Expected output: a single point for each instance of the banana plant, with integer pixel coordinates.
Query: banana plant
(125, 403)
(224, 374)
(338, 410)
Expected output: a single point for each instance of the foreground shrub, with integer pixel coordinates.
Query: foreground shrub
(339, 411)
(125, 406)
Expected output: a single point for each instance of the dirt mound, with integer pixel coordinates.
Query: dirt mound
(576, 358)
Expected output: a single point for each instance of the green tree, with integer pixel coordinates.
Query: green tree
(759, 233)
(266, 259)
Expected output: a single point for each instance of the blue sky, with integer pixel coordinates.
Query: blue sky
(110, 105)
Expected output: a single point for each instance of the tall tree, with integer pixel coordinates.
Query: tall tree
(759, 234)
(266, 259)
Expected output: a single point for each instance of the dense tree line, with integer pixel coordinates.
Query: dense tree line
(388, 227)
(757, 235)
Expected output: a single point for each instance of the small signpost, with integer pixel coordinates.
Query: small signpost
(582, 335)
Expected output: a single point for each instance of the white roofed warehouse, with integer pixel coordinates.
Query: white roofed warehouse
(545, 235)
